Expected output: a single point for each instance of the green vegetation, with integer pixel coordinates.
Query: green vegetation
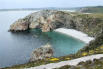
(94, 44)
(30, 64)
(92, 24)
(96, 9)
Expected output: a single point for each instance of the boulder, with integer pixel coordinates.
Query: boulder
(43, 52)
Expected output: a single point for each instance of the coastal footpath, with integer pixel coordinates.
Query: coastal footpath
(73, 62)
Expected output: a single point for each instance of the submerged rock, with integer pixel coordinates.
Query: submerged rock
(42, 53)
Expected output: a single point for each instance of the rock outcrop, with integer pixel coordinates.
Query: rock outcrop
(45, 20)
(42, 53)
(48, 20)
(20, 25)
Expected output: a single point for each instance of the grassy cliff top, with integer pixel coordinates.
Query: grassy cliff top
(94, 9)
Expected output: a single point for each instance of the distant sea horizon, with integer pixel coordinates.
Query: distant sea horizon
(46, 8)
(27, 9)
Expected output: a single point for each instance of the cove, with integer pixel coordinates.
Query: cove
(16, 48)
(62, 44)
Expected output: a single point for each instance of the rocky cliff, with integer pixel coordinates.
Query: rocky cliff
(48, 20)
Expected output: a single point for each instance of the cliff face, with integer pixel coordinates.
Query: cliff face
(48, 20)
(19, 25)
(45, 20)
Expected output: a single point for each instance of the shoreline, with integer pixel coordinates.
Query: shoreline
(75, 34)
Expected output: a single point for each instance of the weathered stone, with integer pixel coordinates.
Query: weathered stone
(34, 25)
(20, 25)
(42, 53)
(48, 20)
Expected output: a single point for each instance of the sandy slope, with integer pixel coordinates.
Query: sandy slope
(76, 34)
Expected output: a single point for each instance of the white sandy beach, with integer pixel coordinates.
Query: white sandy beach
(69, 62)
(76, 34)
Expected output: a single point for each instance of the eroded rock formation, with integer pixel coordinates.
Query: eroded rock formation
(47, 20)
(20, 25)
(43, 52)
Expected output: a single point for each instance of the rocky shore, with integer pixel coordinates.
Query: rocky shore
(43, 52)
(48, 20)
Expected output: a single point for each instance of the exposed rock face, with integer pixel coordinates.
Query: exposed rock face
(20, 25)
(42, 53)
(48, 20)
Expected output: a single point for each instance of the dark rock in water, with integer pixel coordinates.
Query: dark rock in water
(42, 53)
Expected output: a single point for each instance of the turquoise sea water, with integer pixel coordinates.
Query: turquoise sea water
(16, 48)
(62, 44)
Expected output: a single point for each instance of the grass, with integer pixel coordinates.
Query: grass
(95, 9)
(29, 64)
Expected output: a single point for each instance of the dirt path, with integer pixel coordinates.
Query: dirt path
(69, 62)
